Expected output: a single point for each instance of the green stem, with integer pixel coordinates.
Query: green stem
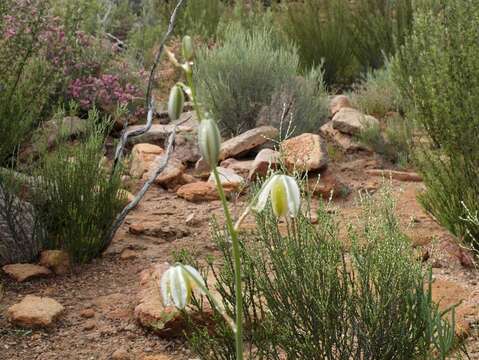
(237, 266)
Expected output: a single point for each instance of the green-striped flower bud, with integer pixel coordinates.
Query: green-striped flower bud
(209, 140)
(176, 102)
(187, 48)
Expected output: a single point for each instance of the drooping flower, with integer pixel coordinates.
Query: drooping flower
(176, 102)
(209, 140)
(177, 284)
(187, 48)
(284, 193)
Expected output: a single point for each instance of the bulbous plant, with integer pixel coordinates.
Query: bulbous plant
(176, 283)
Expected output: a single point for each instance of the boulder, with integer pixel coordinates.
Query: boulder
(34, 311)
(166, 321)
(171, 176)
(338, 102)
(327, 185)
(198, 191)
(247, 141)
(241, 167)
(264, 160)
(142, 157)
(24, 272)
(228, 177)
(343, 141)
(305, 152)
(56, 260)
(352, 122)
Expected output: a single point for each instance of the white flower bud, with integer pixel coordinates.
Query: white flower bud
(177, 284)
(285, 196)
(209, 140)
(187, 48)
(176, 102)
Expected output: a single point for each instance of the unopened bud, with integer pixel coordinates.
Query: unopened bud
(176, 102)
(209, 140)
(187, 48)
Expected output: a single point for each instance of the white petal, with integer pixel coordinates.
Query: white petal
(192, 272)
(293, 195)
(178, 286)
(165, 288)
(264, 193)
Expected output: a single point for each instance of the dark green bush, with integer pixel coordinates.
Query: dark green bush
(76, 200)
(307, 297)
(320, 30)
(437, 72)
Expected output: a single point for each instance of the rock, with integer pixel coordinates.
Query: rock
(128, 254)
(198, 191)
(186, 148)
(228, 177)
(241, 167)
(156, 357)
(352, 122)
(343, 141)
(136, 229)
(56, 260)
(158, 133)
(328, 186)
(34, 311)
(166, 321)
(338, 102)
(89, 325)
(142, 157)
(24, 272)
(69, 127)
(247, 141)
(87, 313)
(263, 161)
(305, 152)
(396, 175)
(171, 176)
(120, 354)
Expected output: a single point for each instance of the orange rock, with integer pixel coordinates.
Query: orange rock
(24, 272)
(34, 311)
(305, 152)
(338, 102)
(142, 157)
(264, 160)
(56, 260)
(327, 185)
(396, 175)
(200, 191)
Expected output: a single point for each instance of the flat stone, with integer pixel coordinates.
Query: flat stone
(247, 141)
(338, 102)
(171, 176)
(34, 311)
(87, 313)
(265, 160)
(157, 134)
(396, 175)
(128, 254)
(241, 167)
(56, 260)
(24, 272)
(228, 177)
(142, 157)
(351, 121)
(305, 152)
(198, 191)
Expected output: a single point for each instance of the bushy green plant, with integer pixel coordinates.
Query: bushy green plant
(239, 77)
(378, 27)
(303, 101)
(320, 30)
(377, 94)
(310, 298)
(437, 74)
(76, 200)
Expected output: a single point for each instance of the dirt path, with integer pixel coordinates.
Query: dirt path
(99, 298)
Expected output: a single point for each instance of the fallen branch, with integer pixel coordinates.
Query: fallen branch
(132, 133)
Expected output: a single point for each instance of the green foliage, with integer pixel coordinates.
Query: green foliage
(307, 298)
(238, 78)
(76, 200)
(437, 73)
(392, 142)
(320, 31)
(377, 94)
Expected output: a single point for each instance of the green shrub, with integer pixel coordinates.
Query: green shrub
(320, 31)
(437, 74)
(305, 101)
(307, 298)
(76, 200)
(239, 77)
(377, 94)
(378, 27)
